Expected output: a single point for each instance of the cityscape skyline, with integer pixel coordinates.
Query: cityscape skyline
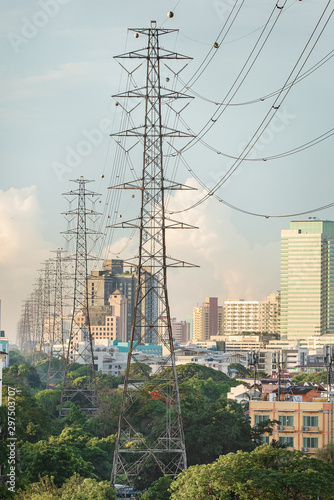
(44, 114)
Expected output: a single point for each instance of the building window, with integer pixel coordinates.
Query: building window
(286, 420)
(261, 418)
(286, 440)
(265, 439)
(309, 442)
(309, 421)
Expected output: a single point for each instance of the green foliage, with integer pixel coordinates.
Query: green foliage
(74, 488)
(327, 453)
(92, 455)
(139, 370)
(58, 461)
(317, 378)
(103, 380)
(158, 489)
(76, 370)
(31, 418)
(49, 399)
(266, 472)
(191, 370)
(21, 376)
(109, 402)
(15, 358)
(244, 372)
(212, 424)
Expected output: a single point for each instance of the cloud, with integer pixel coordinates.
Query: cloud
(230, 267)
(66, 76)
(22, 250)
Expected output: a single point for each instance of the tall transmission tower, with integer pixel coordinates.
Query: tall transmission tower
(25, 326)
(57, 337)
(136, 446)
(46, 306)
(80, 345)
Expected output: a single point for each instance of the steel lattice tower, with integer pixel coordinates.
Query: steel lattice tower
(135, 447)
(84, 396)
(46, 306)
(57, 337)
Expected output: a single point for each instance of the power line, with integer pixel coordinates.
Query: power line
(272, 111)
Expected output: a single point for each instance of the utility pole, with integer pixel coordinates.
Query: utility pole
(80, 345)
(166, 451)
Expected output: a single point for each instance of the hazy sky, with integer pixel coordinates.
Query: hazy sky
(58, 75)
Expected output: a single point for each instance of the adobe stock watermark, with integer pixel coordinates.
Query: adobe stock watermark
(75, 155)
(281, 120)
(12, 440)
(31, 27)
(223, 8)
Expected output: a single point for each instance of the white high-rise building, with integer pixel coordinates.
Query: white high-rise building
(252, 316)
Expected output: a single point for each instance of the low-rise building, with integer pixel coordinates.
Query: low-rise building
(305, 418)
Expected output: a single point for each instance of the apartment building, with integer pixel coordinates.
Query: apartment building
(252, 316)
(207, 319)
(305, 416)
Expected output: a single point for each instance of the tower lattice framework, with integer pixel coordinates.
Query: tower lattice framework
(80, 345)
(57, 330)
(158, 443)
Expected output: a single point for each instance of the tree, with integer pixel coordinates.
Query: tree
(327, 453)
(21, 376)
(74, 488)
(139, 370)
(59, 462)
(15, 358)
(317, 378)
(266, 472)
(158, 489)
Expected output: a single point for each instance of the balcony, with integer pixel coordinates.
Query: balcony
(310, 450)
(285, 428)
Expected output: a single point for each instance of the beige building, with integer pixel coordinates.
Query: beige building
(207, 319)
(305, 426)
(252, 316)
(108, 322)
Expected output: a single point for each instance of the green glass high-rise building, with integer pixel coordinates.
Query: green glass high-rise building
(307, 279)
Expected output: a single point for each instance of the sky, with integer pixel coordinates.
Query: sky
(58, 76)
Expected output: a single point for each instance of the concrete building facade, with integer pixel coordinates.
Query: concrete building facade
(307, 279)
(252, 316)
(305, 425)
(207, 319)
(180, 331)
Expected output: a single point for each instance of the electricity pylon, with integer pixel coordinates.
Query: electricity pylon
(80, 345)
(46, 306)
(164, 446)
(57, 337)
